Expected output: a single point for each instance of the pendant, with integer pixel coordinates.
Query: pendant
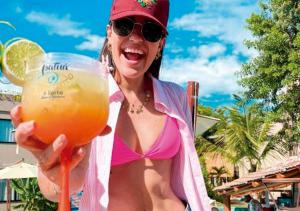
(132, 109)
(140, 109)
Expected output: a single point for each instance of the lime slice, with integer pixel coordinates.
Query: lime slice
(18, 60)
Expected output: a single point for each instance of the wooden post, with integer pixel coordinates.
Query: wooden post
(227, 205)
(8, 194)
(192, 92)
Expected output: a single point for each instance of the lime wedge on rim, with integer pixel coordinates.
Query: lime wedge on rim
(17, 60)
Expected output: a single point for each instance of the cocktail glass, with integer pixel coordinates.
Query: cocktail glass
(66, 94)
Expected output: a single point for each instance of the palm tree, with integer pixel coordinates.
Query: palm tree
(218, 173)
(241, 135)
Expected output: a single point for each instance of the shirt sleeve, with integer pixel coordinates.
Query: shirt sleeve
(187, 111)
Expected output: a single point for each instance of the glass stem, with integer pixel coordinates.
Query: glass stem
(65, 159)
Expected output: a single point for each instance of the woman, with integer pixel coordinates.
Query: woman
(148, 160)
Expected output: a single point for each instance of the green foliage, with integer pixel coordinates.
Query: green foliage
(241, 135)
(274, 75)
(207, 111)
(218, 173)
(31, 197)
(208, 185)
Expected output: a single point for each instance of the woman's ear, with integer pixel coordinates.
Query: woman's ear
(162, 43)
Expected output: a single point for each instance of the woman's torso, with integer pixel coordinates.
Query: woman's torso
(143, 184)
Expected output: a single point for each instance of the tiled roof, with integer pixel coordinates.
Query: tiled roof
(282, 167)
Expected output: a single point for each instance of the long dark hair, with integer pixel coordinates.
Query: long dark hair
(106, 53)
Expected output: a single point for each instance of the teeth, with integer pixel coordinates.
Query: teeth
(130, 50)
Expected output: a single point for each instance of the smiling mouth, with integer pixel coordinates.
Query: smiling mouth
(133, 54)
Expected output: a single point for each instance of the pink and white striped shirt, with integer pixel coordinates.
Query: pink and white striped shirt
(187, 180)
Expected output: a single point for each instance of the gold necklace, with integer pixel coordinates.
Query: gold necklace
(132, 108)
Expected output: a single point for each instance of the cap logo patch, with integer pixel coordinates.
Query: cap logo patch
(147, 3)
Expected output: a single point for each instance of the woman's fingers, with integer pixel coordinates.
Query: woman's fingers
(50, 156)
(24, 137)
(77, 157)
(46, 155)
(15, 115)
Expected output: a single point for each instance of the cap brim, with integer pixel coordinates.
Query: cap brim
(137, 13)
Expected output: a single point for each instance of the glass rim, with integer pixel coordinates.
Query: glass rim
(71, 60)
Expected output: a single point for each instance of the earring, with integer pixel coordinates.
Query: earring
(110, 65)
(111, 69)
(109, 62)
(158, 55)
(109, 47)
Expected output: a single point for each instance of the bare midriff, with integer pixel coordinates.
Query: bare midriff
(143, 185)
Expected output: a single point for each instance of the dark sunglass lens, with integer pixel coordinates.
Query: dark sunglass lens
(152, 32)
(123, 27)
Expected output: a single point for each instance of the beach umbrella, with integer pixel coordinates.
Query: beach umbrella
(17, 171)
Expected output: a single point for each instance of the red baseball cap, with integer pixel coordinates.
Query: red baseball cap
(156, 10)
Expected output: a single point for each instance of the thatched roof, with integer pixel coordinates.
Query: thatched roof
(289, 168)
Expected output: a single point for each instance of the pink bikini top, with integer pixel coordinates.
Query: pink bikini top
(165, 146)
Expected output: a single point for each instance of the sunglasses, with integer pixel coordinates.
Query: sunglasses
(151, 32)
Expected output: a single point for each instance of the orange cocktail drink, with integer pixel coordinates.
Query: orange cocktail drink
(72, 102)
(66, 94)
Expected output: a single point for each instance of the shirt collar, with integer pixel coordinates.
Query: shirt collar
(115, 93)
(160, 98)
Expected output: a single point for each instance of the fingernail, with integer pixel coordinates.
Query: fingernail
(30, 125)
(80, 152)
(62, 139)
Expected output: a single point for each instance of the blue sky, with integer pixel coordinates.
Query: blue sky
(205, 41)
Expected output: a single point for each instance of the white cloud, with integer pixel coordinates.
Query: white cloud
(59, 26)
(214, 76)
(64, 26)
(93, 43)
(207, 51)
(213, 65)
(224, 20)
(174, 48)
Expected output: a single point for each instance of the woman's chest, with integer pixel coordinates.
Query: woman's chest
(140, 132)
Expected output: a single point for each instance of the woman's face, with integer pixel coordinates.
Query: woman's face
(132, 54)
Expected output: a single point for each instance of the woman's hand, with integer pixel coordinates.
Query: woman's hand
(47, 155)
